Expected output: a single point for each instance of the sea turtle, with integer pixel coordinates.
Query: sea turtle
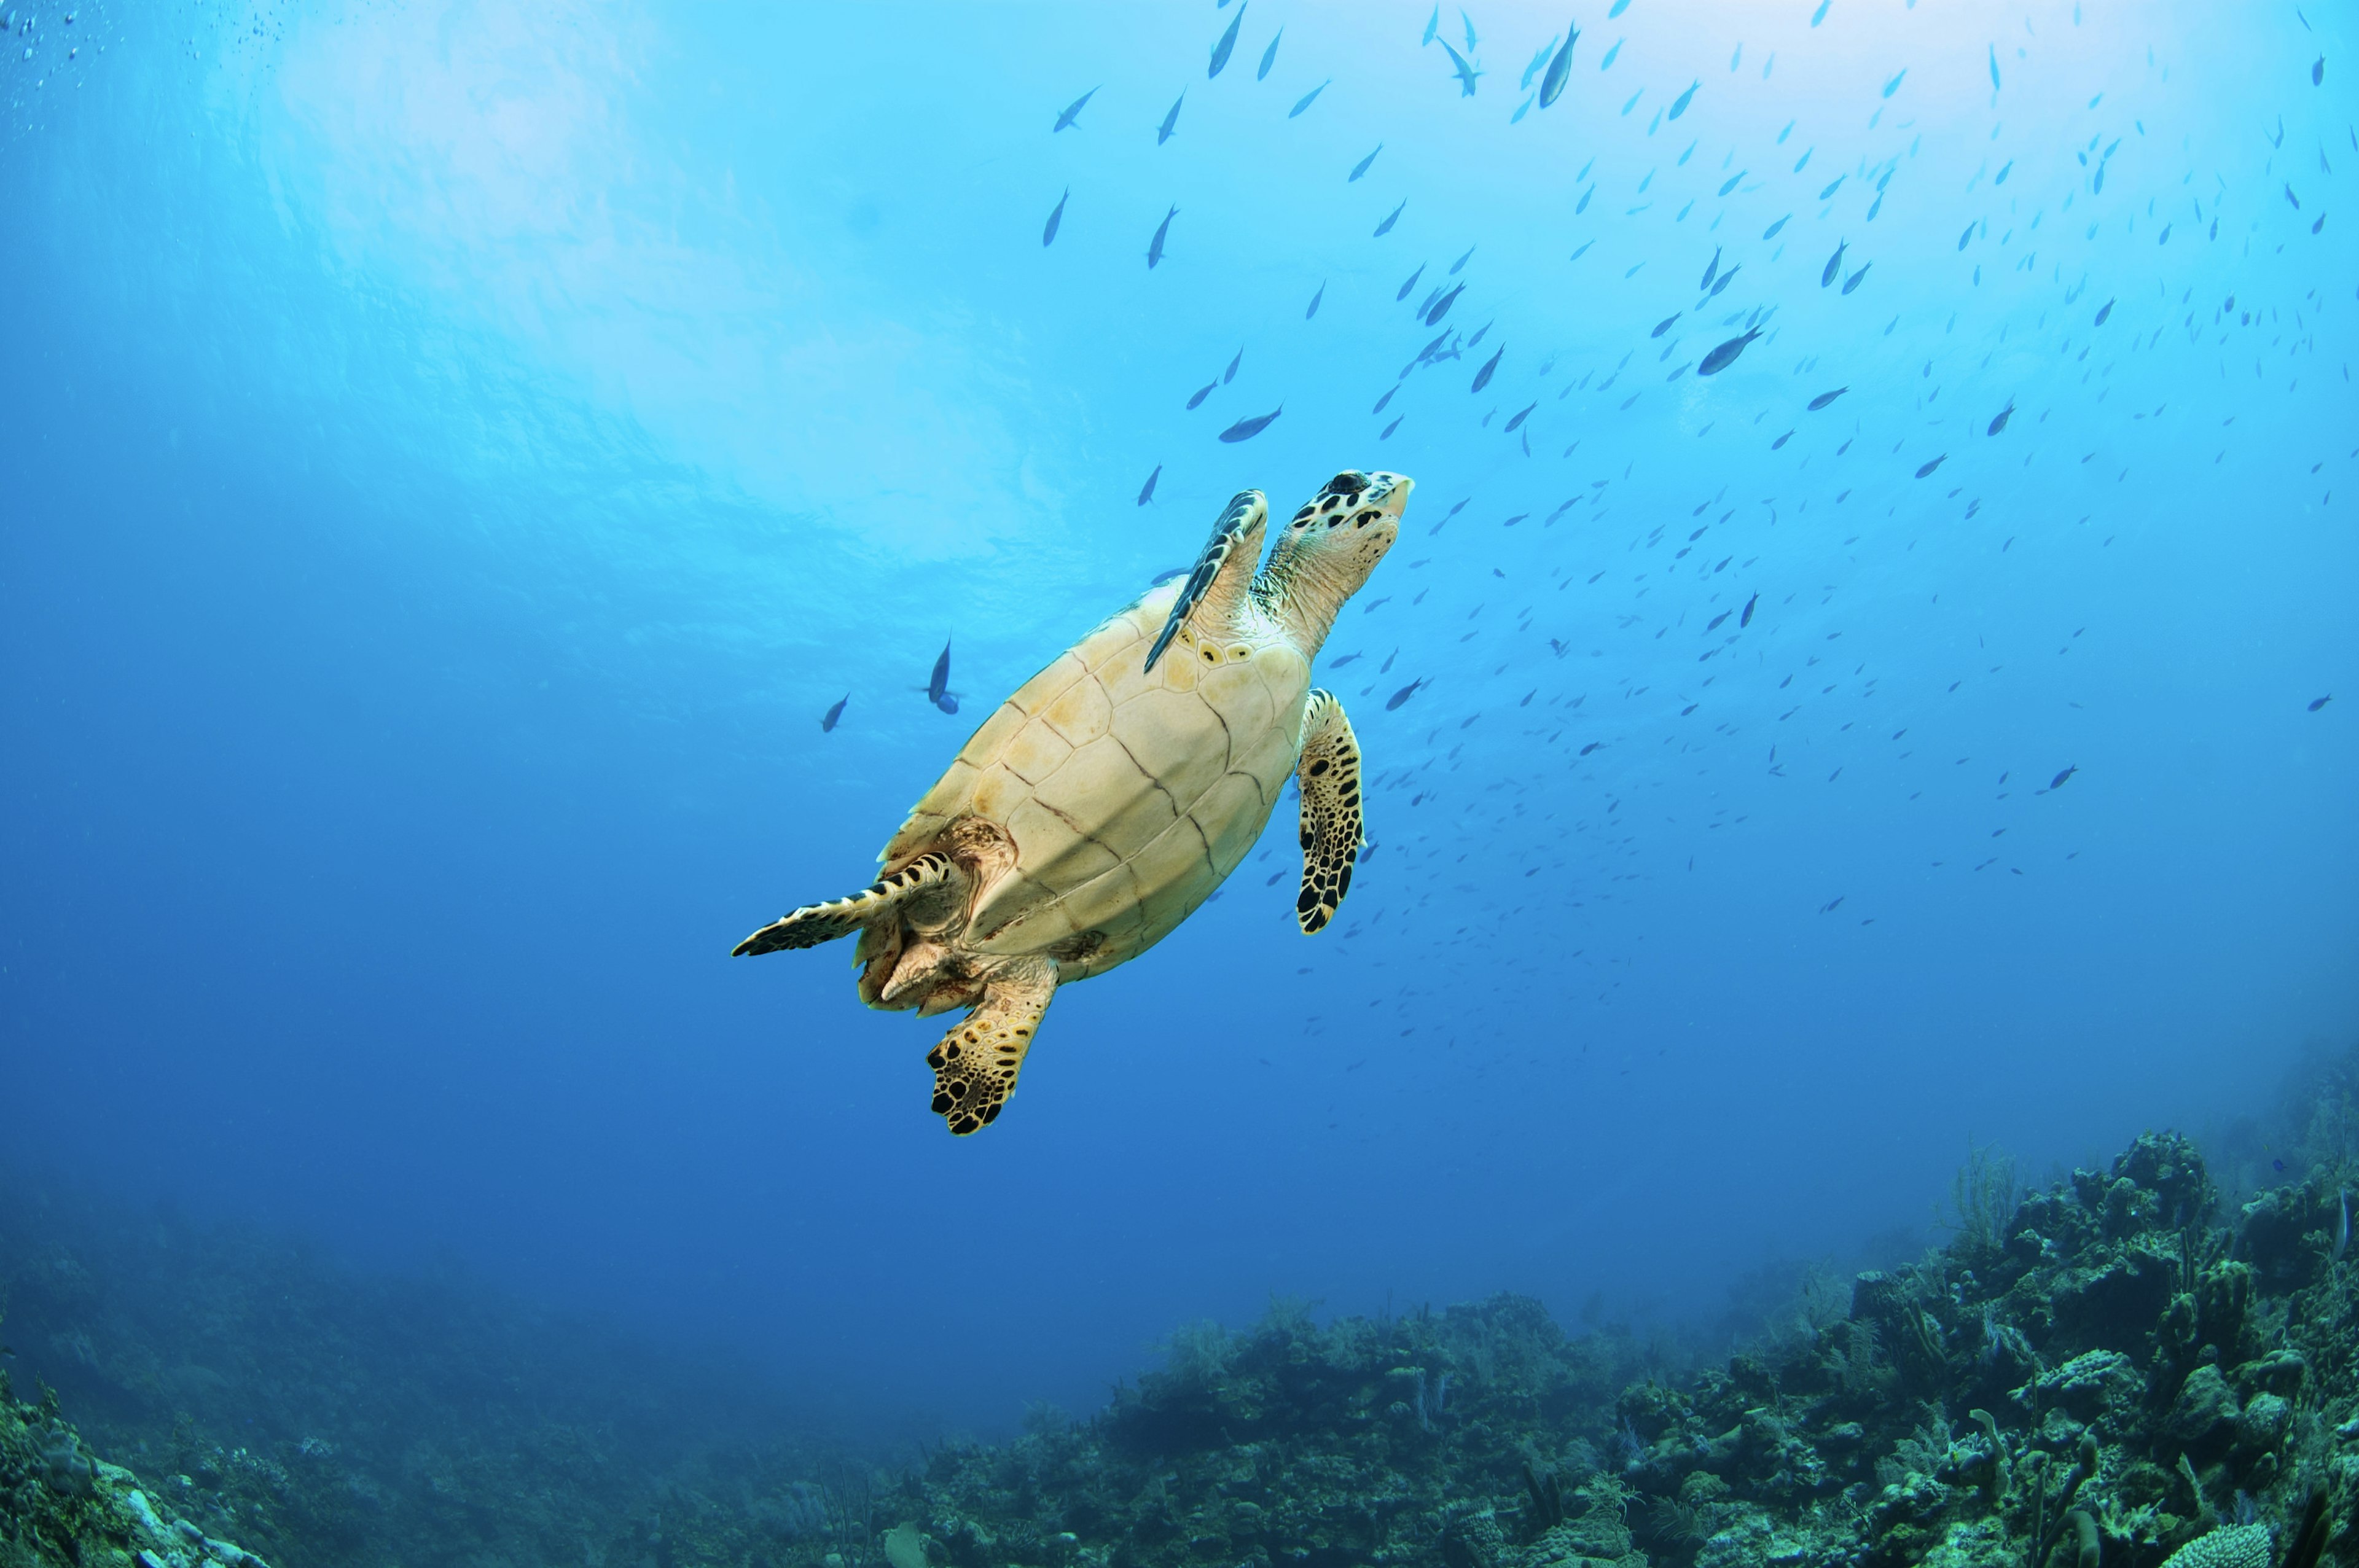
(1117, 789)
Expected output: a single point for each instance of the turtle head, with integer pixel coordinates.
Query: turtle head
(1329, 547)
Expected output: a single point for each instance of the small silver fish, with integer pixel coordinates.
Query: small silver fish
(1559, 71)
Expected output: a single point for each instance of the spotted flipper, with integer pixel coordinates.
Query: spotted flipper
(817, 923)
(976, 1063)
(1329, 774)
(1224, 571)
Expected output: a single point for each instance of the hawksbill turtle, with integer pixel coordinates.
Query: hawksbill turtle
(1117, 789)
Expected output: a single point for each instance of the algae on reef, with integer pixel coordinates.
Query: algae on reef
(2099, 1374)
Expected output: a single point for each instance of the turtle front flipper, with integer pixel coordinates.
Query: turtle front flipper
(817, 923)
(975, 1063)
(1329, 773)
(1224, 572)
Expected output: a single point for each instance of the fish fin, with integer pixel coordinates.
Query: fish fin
(976, 1063)
(816, 923)
(1332, 832)
(1223, 573)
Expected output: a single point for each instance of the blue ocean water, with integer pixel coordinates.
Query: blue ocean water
(456, 454)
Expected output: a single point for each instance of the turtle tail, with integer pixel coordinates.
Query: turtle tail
(817, 923)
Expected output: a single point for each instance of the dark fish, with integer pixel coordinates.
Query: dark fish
(1170, 122)
(1781, 440)
(1664, 325)
(1228, 41)
(937, 685)
(1147, 491)
(1269, 58)
(2319, 702)
(1201, 393)
(1361, 167)
(1893, 86)
(1246, 429)
(1442, 305)
(1469, 22)
(1994, 65)
(1724, 279)
(1823, 398)
(1559, 70)
(1746, 619)
(1432, 25)
(1230, 374)
(1928, 468)
(1591, 747)
(1713, 624)
(1314, 302)
(1162, 233)
(1056, 217)
(1853, 281)
(1404, 693)
(1409, 283)
(1522, 415)
(1998, 420)
(1071, 109)
(1729, 183)
(2317, 71)
(1161, 578)
(1465, 74)
(1482, 376)
(1387, 397)
(1711, 269)
(1307, 99)
(2058, 781)
(1834, 264)
(1481, 332)
(1721, 358)
(1386, 433)
(1680, 105)
(1338, 663)
(1833, 904)
(828, 720)
(1391, 218)
(1966, 236)
(1771, 231)
(2102, 312)
(1462, 261)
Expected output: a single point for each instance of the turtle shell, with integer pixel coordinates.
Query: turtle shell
(1126, 797)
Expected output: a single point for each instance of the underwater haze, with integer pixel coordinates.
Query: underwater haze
(1867, 665)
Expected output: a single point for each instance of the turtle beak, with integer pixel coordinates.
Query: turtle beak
(1390, 490)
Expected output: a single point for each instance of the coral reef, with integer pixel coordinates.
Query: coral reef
(2116, 1371)
(60, 1504)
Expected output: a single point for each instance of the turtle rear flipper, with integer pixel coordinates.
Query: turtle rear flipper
(1329, 774)
(817, 923)
(975, 1063)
